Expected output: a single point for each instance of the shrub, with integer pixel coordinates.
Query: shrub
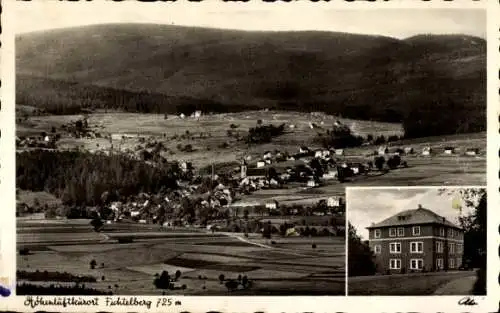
(231, 285)
(379, 162)
(92, 264)
(177, 274)
(24, 251)
(314, 246)
(221, 278)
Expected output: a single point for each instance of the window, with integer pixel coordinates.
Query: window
(452, 248)
(416, 230)
(395, 264)
(392, 232)
(416, 264)
(450, 232)
(377, 233)
(401, 232)
(377, 249)
(439, 247)
(459, 262)
(441, 232)
(452, 263)
(417, 247)
(439, 264)
(460, 248)
(395, 247)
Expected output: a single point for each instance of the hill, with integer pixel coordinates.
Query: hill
(164, 68)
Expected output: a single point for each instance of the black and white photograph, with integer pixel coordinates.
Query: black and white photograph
(163, 152)
(425, 241)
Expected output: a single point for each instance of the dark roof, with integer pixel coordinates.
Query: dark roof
(414, 217)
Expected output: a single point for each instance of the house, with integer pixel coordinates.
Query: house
(383, 150)
(261, 163)
(311, 183)
(472, 151)
(426, 151)
(330, 175)
(304, 149)
(267, 155)
(182, 116)
(272, 205)
(197, 114)
(322, 153)
(416, 240)
(449, 150)
(333, 202)
(186, 166)
(408, 150)
(339, 151)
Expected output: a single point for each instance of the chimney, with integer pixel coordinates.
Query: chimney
(419, 206)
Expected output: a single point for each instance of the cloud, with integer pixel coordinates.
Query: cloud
(399, 23)
(367, 206)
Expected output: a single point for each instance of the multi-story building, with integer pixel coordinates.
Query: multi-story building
(416, 240)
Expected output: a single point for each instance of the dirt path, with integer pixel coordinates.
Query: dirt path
(458, 286)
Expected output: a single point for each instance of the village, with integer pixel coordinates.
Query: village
(216, 198)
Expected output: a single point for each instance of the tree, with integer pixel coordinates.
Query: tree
(317, 167)
(177, 275)
(266, 233)
(474, 226)
(232, 285)
(163, 281)
(379, 162)
(93, 264)
(221, 278)
(360, 258)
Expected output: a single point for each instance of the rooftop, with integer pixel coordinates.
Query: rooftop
(414, 217)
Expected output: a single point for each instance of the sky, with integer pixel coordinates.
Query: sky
(400, 23)
(384, 203)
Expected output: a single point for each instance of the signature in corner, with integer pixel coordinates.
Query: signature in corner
(4, 292)
(467, 301)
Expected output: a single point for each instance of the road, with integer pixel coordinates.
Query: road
(458, 286)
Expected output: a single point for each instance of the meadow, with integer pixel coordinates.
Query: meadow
(288, 267)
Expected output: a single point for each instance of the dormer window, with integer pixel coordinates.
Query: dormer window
(416, 230)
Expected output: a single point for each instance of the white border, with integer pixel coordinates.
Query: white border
(264, 304)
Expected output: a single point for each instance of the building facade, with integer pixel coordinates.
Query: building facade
(414, 241)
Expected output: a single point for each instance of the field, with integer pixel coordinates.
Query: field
(412, 284)
(208, 133)
(291, 266)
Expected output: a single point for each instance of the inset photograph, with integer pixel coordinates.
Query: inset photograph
(417, 241)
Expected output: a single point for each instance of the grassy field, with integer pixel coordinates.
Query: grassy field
(408, 284)
(289, 267)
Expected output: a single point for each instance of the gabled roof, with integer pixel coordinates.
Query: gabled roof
(414, 217)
